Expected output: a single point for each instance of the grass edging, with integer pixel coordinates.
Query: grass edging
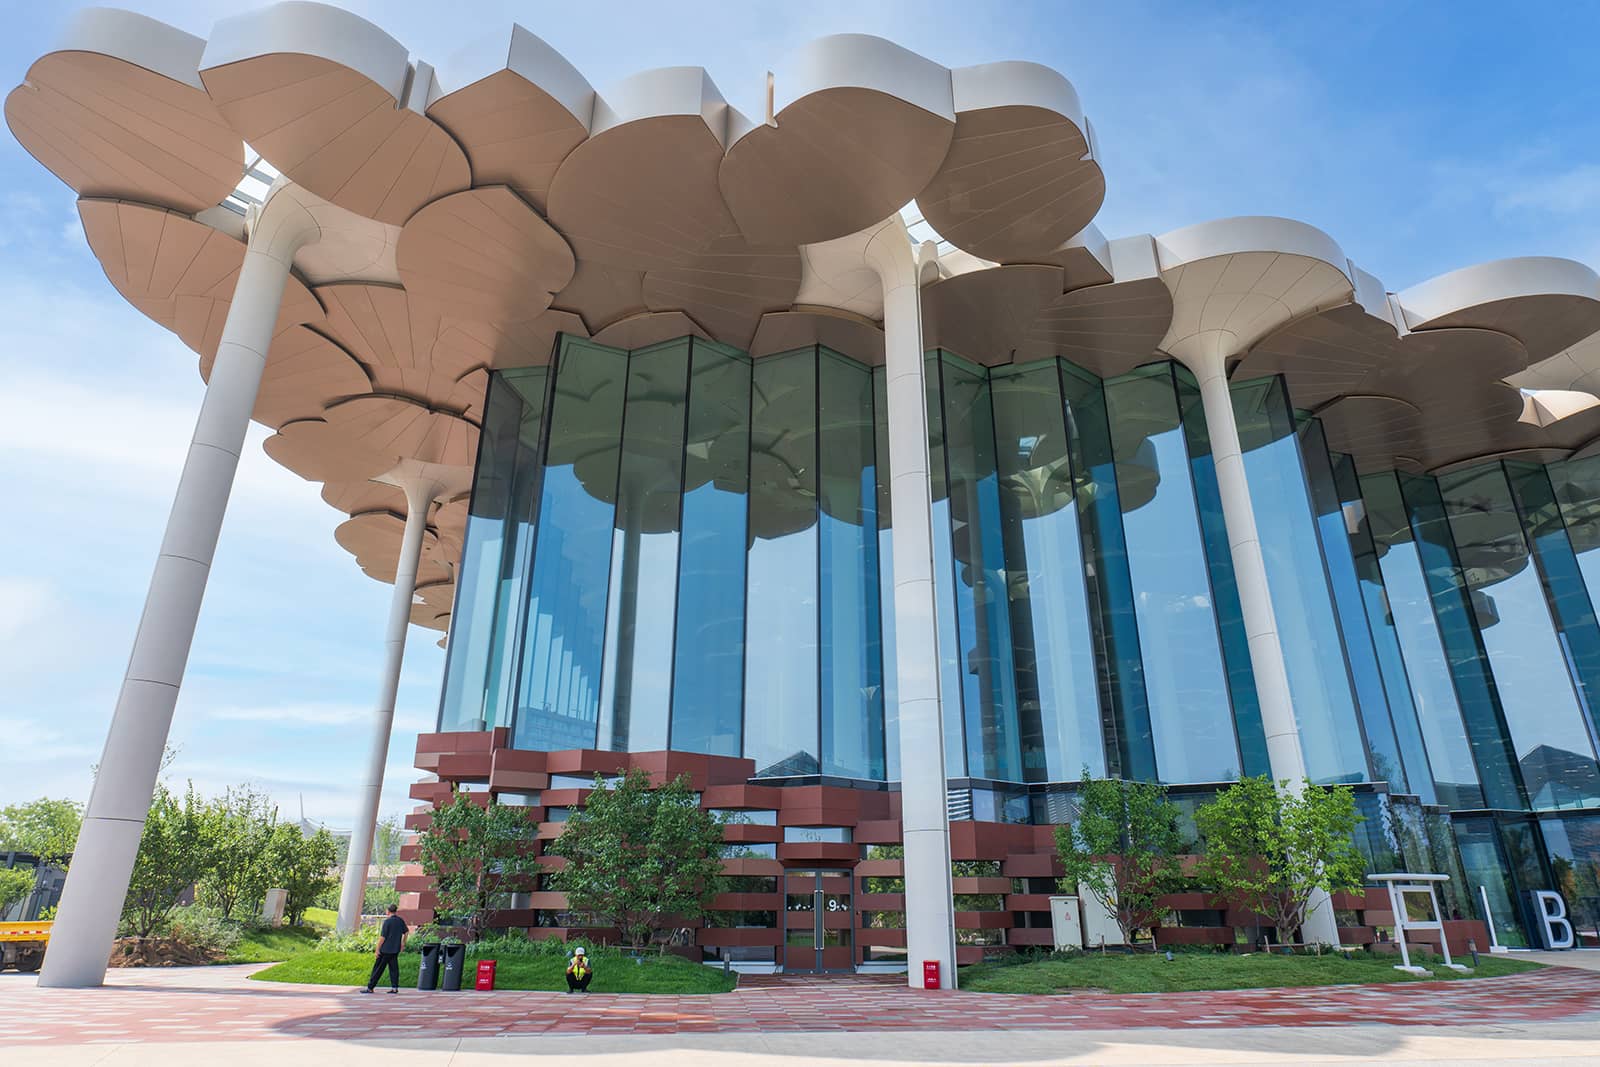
(669, 974)
(1208, 971)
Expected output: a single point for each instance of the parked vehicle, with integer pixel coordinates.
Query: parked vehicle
(22, 945)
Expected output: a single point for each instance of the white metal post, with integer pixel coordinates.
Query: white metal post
(102, 863)
(1261, 625)
(420, 495)
(930, 909)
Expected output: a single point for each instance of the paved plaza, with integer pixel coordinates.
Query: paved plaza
(213, 1015)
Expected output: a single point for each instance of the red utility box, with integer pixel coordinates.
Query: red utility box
(486, 975)
(930, 974)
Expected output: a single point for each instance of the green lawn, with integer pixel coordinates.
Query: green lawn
(270, 946)
(322, 917)
(612, 975)
(1117, 973)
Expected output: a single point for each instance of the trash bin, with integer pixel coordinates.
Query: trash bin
(485, 982)
(428, 973)
(454, 957)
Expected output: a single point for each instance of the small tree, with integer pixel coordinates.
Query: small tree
(45, 828)
(474, 854)
(639, 858)
(173, 853)
(240, 827)
(1123, 848)
(302, 866)
(1269, 849)
(387, 838)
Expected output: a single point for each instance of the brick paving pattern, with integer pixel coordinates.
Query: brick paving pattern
(219, 1004)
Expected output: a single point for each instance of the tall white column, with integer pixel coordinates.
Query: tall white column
(930, 910)
(1260, 623)
(420, 495)
(102, 862)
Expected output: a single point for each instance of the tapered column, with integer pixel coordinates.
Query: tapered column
(1260, 623)
(102, 862)
(930, 910)
(420, 495)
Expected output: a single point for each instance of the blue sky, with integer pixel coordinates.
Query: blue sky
(1422, 137)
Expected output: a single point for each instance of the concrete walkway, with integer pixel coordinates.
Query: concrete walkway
(215, 1016)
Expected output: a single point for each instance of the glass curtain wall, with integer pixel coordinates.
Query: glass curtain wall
(1191, 713)
(1308, 627)
(1528, 656)
(1058, 698)
(484, 632)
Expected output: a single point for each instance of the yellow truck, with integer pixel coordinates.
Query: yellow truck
(22, 944)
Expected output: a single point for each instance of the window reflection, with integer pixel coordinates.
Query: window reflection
(1535, 689)
(708, 676)
(781, 684)
(1189, 701)
(1057, 696)
(558, 702)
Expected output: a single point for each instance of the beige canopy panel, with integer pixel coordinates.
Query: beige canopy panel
(471, 215)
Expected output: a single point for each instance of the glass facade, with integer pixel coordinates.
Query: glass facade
(681, 547)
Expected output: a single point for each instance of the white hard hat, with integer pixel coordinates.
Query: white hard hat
(578, 951)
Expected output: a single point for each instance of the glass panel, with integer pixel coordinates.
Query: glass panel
(1486, 873)
(891, 707)
(1534, 687)
(558, 699)
(1410, 607)
(1361, 656)
(1574, 850)
(1057, 697)
(780, 696)
(1184, 676)
(983, 620)
(494, 558)
(708, 674)
(1381, 629)
(1571, 606)
(1118, 665)
(852, 672)
(1249, 735)
(636, 683)
(1455, 609)
(814, 835)
(1308, 630)
(950, 673)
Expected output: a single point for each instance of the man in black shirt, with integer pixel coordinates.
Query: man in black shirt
(391, 939)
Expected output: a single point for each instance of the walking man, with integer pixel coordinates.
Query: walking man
(391, 939)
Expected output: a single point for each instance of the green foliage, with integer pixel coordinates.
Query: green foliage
(640, 858)
(172, 857)
(15, 885)
(1148, 973)
(387, 838)
(273, 944)
(1123, 848)
(474, 854)
(239, 868)
(206, 930)
(378, 898)
(44, 827)
(365, 939)
(545, 970)
(1271, 848)
(300, 865)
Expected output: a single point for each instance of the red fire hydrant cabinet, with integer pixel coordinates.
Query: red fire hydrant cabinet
(930, 974)
(485, 980)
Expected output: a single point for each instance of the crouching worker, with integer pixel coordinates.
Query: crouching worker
(579, 973)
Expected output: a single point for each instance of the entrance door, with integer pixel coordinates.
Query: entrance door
(817, 922)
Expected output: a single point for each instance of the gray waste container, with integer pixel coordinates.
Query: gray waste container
(455, 957)
(428, 973)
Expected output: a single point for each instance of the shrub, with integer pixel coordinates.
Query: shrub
(363, 940)
(204, 930)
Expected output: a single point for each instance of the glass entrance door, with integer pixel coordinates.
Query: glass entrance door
(817, 922)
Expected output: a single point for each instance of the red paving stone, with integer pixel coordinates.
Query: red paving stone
(220, 1005)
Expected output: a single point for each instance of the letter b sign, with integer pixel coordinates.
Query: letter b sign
(1551, 924)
